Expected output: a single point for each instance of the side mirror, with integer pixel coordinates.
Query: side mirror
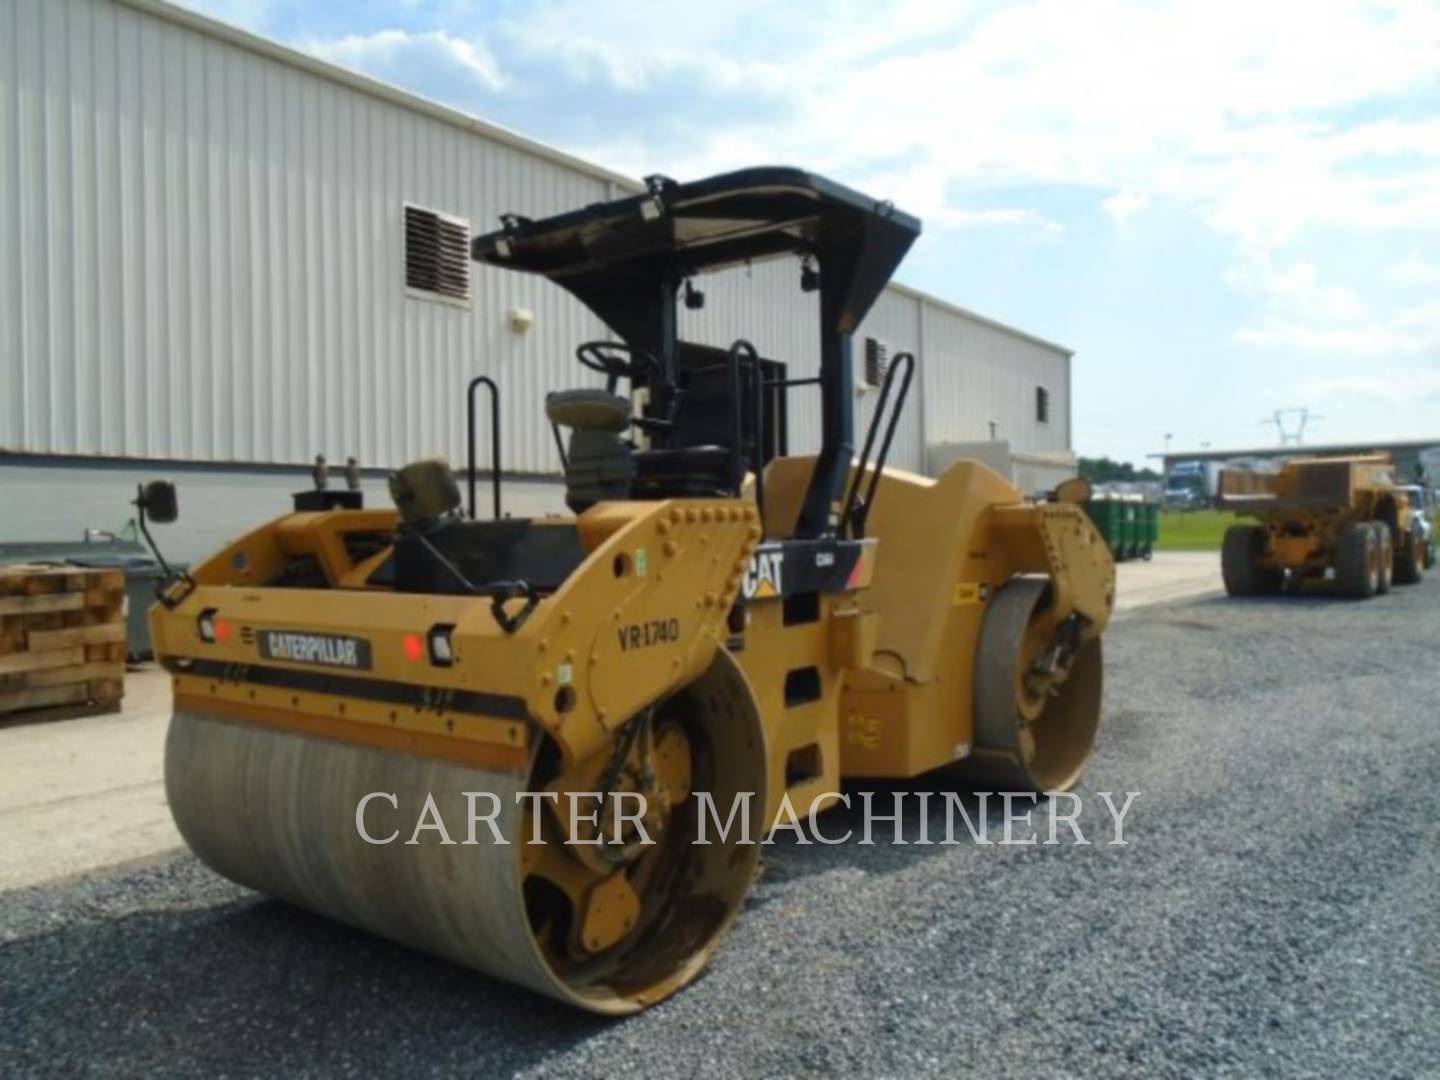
(1075, 490)
(158, 502)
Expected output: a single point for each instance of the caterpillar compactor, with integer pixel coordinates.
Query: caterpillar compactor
(503, 740)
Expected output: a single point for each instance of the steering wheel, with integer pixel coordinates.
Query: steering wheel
(615, 360)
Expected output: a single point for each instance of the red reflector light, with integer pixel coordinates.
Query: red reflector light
(414, 647)
(222, 631)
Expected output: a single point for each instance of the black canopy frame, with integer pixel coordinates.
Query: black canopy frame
(627, 260)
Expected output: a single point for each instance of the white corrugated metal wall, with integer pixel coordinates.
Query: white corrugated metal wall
(895, 320)
(201, 259)
(210, 254)
(976, 373)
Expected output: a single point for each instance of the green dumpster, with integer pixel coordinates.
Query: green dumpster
(1108, 516)
(1149, 528)
(1129, 531)
(1129, 527)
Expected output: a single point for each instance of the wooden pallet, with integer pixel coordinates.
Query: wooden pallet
(62, 641)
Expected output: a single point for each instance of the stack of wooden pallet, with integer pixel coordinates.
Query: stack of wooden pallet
(62, 641)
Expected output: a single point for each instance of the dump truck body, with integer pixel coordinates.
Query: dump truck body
(1341, 517)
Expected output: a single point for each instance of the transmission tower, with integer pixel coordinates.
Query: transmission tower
(1290, 424)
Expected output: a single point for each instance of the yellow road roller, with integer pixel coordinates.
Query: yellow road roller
(523, 743)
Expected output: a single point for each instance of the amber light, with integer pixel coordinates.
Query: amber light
(414, 647)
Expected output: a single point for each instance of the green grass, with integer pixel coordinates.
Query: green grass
(1193, 530)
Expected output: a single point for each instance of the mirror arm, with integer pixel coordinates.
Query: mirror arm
(162, 587)
(145, 532)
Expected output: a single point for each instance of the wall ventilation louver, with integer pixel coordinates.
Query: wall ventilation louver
(437, 255)
(877, 360)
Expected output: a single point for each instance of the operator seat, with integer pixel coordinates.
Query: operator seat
(599, 464)
(700, 463)
(691, 472)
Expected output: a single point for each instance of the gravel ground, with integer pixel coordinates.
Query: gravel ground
(1274, 913)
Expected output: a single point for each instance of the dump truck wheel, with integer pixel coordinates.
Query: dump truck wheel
(1241, 563)
(281, 811)
(1027, 739)
(1410, 559)
(1357, 561)
(1385, 539)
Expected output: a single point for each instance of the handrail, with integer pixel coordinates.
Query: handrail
(737, 432)
(737, 426)
(475, 384)
(858, 513)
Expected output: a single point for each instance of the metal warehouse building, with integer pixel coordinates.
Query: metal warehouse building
(203, 274)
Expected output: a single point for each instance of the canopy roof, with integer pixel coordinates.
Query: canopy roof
(620, 257)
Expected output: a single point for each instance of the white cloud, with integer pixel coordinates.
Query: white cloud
(1214, 106)
(1300, 311)
(415, 60)
(961, 218)
(1211, 105)
(1399, 387)
(1415, 272)
(1296, 291)
(1125, 204)
(649, 70)
(1411, 330)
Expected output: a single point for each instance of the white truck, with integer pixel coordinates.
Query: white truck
(1192, 485)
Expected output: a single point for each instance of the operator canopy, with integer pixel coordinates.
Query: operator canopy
(626, 261)
(623, 259)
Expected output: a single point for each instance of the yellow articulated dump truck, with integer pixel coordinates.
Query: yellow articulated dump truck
(529, 745)
(1337, 519)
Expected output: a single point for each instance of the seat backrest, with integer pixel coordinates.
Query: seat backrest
(702, 416)
(598, 462)
(600, 467)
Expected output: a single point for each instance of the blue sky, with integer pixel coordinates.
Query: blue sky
(1224, 208)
